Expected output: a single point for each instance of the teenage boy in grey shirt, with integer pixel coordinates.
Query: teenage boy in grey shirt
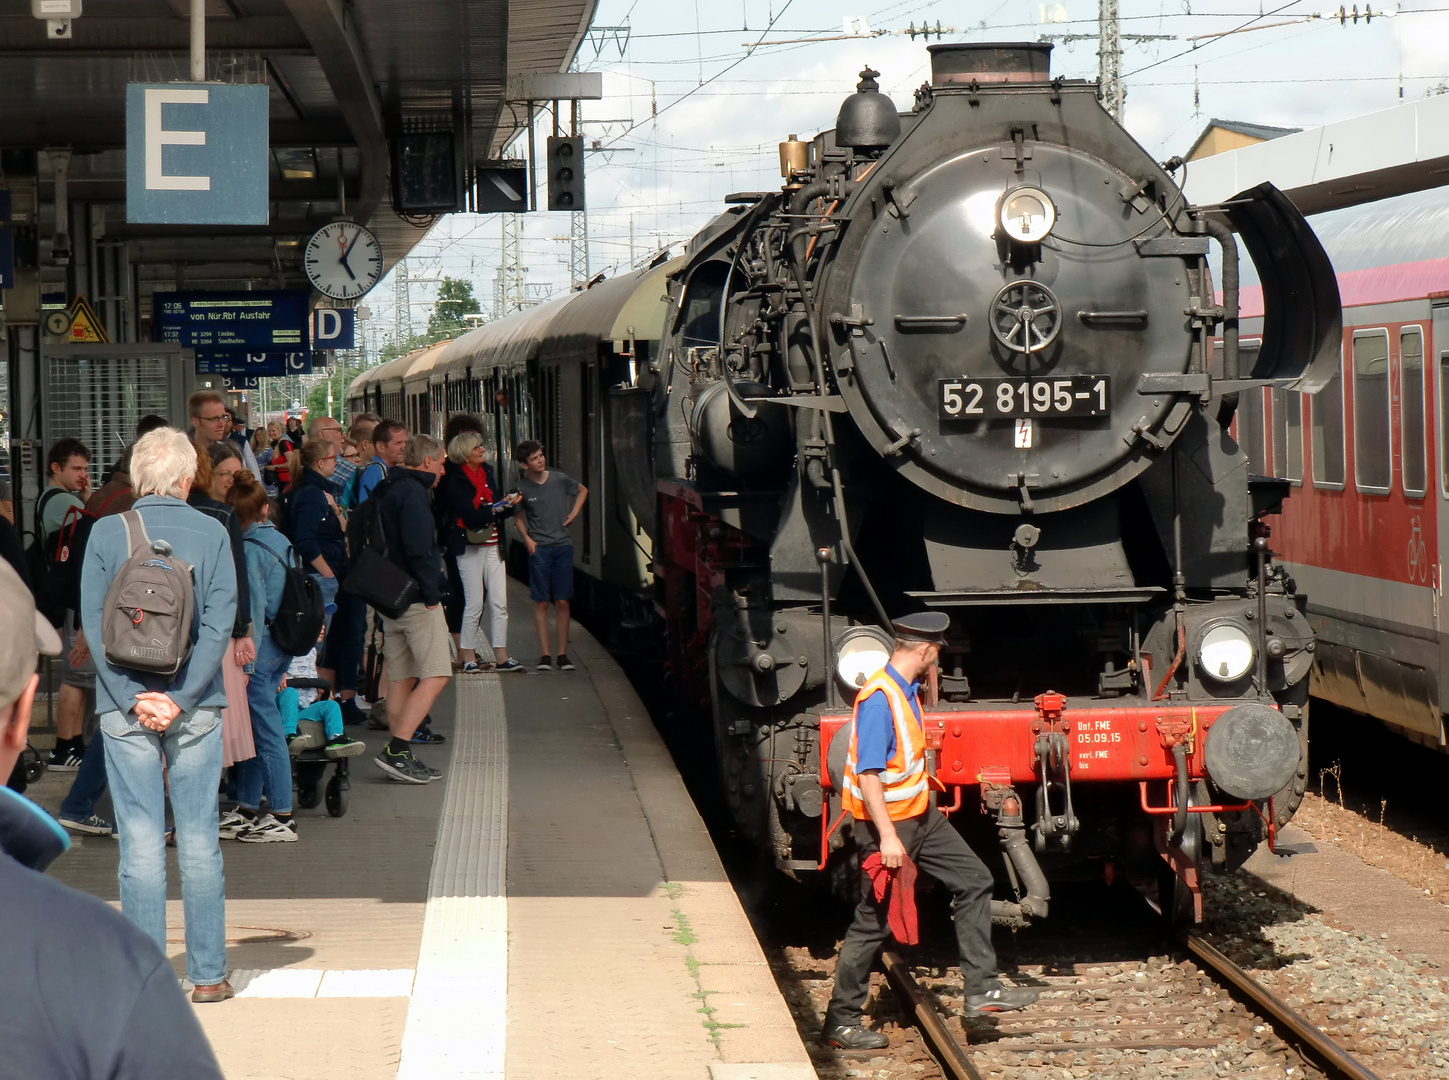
(544, 525)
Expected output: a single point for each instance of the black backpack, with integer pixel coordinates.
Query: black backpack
(44, 558)
(299, 620)
(364, 523)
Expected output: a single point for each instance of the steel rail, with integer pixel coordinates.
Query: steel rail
(1328, 1055)
(949, 1053)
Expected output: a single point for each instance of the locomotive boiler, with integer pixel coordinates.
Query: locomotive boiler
(973, 357)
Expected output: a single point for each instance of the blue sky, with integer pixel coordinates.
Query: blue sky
(692, 113)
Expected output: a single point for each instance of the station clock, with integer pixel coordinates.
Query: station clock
(343, 260)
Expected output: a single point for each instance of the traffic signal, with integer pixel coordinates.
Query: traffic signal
(565, 173)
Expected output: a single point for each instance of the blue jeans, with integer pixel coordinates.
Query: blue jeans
(89, 783)
(191, 747)
(342, 651)
(271, 769)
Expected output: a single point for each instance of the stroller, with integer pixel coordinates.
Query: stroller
(309, 765)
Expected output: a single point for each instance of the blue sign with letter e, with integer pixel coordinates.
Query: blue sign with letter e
(333, 328)
(196, 154)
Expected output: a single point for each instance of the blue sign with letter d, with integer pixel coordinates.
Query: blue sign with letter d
(333, 328)
(196, 154)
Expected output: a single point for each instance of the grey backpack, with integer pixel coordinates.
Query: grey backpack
(146, 621)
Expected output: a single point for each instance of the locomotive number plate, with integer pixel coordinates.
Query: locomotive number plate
(1002, 399)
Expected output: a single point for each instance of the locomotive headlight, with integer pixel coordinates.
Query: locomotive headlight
(860, 652)
(1225, 652)
(1027, 214)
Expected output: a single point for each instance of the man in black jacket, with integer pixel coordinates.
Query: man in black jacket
(83, 992)
(419, 661)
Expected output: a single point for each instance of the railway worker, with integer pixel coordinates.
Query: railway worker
(886, 789)
(83, 992)
(544, 525)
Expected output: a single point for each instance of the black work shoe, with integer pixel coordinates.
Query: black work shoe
(855, 1037)
(997, 998)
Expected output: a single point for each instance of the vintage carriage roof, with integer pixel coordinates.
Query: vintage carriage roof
(513, 339)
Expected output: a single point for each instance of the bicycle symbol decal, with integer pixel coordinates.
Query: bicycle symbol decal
(1418, 553)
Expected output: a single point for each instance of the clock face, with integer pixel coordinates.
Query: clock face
(343, 260)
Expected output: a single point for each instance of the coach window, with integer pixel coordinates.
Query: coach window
(1250, 430)
(1411, 409)
(1327, 409)
(1371, 469)
(1287, 434)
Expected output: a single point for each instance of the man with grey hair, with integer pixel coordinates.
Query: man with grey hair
(419, 660)
(148, 720)
(131, 1022)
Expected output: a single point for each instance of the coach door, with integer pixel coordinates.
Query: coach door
(1436, 355)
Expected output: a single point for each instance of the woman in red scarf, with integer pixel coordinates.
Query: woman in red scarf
(467, 496)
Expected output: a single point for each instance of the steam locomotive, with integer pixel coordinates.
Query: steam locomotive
(969, 357)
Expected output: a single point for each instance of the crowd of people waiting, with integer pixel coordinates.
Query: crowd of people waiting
(274, 528)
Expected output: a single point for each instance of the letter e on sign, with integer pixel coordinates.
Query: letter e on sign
(158, 136)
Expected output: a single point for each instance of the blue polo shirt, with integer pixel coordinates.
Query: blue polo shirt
(372, 474)
(875, 730)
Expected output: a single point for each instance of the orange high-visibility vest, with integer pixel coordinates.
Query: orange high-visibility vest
(904, 779)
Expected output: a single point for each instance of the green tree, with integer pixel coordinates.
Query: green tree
(455, 300)
(317, 399)
(393, 349)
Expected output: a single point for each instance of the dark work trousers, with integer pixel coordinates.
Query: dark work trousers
(342, 649)
(937, 849)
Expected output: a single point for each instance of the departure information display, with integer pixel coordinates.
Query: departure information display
(272, 321)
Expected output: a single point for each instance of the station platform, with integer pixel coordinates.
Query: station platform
(552, 907)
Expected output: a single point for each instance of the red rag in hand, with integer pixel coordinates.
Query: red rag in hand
(905, 926)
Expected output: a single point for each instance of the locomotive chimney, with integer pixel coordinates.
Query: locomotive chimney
(991, 62)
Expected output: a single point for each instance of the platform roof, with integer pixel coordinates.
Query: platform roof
(342, 79)
(1371, 157)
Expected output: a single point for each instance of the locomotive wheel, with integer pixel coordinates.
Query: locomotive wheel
(1174, 896)
(336, 796)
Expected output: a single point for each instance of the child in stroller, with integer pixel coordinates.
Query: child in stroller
(299, 700)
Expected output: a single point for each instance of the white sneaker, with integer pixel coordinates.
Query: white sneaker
(232, 824)
(270, 831)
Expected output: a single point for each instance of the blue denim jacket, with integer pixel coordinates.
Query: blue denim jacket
(267, 576)
(202, 542)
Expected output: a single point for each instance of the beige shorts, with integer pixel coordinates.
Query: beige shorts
(416, 646)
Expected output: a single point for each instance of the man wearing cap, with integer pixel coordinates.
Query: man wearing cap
(887, 790)
(83, 992)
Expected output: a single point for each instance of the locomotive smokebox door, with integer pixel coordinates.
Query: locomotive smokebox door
(998, 294)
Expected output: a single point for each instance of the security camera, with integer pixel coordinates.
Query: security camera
(57, 29)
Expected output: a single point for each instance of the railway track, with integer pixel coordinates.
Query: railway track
(1187, 1016)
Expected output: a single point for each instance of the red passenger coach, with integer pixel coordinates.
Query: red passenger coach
(1367, 460)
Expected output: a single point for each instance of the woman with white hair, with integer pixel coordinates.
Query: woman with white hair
(464, 506)
(148, 720)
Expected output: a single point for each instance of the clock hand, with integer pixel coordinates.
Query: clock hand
(348, 252)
